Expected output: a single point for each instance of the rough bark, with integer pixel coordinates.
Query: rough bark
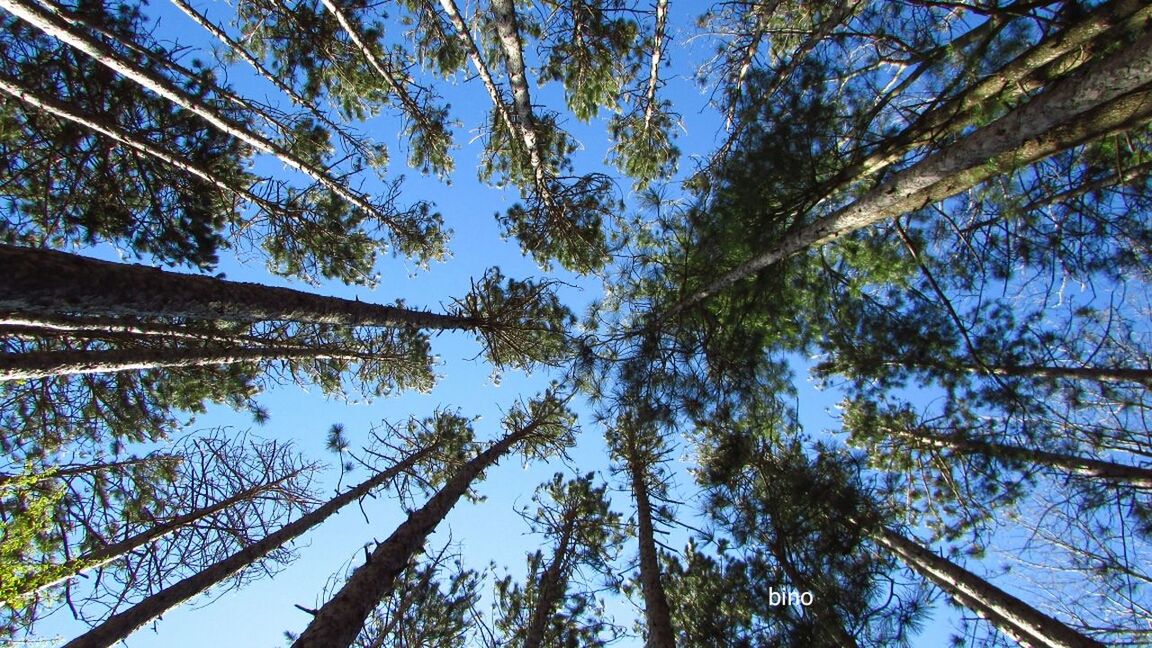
(551, 587)
(654, 62)
(43, 364)
(47, 282)
(1096, 468)
(1023, 74)
(340, 620)
(1022, 620)
(120, 625)
(657, 614)
(1101, 98)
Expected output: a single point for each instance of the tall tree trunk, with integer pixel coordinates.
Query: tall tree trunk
(1022, 74)
(658, 35)
(550, 589)
(117, 627)
(340, 620)
(108, 553)
(47, 282)
(1106, 470)
(1013, 616)
(1106, 96)
(657, 614)
(43, 364)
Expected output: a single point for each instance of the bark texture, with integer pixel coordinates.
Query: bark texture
(1023, 621)
(1104, 97)
(340, 620)
(657, 614)
(47, 282)
(43, 364)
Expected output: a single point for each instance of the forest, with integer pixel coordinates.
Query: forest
(581, 269)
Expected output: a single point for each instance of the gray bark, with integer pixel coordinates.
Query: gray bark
(108, 553)
(551, 586)
(47, 282)
(1106, 96)
(657, 613)
(1106, 470)
(1013, 615)
(43, 364)
(117, 627)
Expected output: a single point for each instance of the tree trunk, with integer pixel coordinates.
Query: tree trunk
(1008, 613)
(340, 620)
(47, 282)
(1098, 99)
(43, 364)
(551, 587)
(657, 614)
(1007, 84)
(117, 627)
(1106, 470)
(108, 553)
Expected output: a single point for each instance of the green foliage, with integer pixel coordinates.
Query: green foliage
(26, 518)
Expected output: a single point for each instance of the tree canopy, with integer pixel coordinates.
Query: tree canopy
(707, 219)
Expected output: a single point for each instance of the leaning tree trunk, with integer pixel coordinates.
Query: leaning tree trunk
(657, 614)
(47, 282)
(1105, 470)
(340, 620)
(43, 364)
(551, 587)
(1011, 615)
(1104, 97)
(117, 627)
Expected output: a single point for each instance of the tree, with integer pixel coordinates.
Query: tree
(426, 440)
(139, 524)
(584, 534)
(540, 427)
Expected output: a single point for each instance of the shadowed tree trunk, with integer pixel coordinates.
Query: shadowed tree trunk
(657, 614)
(552, 585)
(1105, 470)
(57, 283)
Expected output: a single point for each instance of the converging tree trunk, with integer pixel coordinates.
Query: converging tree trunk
(657, 613)
(117, 627)
(42, 364)
(551, 586)
(48, 282)
(1105, 470)
(340, 620)
(1023, 622)
(106, 554)
(1103, 97)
